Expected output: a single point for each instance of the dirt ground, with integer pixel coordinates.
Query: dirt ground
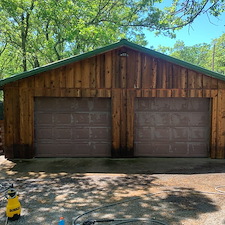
(172, 191)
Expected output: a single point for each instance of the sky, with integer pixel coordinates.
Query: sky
(202, 30)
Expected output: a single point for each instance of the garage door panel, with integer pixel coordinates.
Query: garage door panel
(44, 134)
(143, 134)
(161, 148)
(195, 105)
(81, 133)
(178, 105)
(161, 134)
(63, 134)
(81, 119)
(101, 150)
(198, 149)
(161, 118)
(99, 119)
(181, 130)
(179, 134)
(198, 134)
(163, 106)
(80, 149)
(74, 130)
(82, 105)
(198, 119)
(179, 149)
(99, 106)
(100, 133)
(45, 119)
(142, 106)
(179, 119)
(142, 119)
(62, 118)
(144, 149)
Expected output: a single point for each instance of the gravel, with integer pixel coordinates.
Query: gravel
(173, 191)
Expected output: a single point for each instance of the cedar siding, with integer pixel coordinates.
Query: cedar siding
(122, 73)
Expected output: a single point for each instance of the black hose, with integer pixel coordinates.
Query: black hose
(113, 204)
(122, 221)
(135, 198)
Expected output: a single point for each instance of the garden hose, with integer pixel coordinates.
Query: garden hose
(217, 188)
(122, 221)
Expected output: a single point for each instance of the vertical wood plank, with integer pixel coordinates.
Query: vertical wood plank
(176, 93)
(191, 79)
(154, 65)
(116, 106)
(57, 78)
(183, 78)
(93, 72)
(102, 71)
(77, 75)
(23, 102)
(123, 71)
(175, 76)
(50, 79)
(138, 93)
(12, 120)
(191, 93)
(206, 82)
(39, 80)
(70, 76)
(146, 65)
(221, 84)
(206, 93)
(85, 73)
(214, 122)
(30, 141)
(108, 70)
(138, 71)
(198, 81)
(214, 83)
(131, 69)
(169, 75)
(164, 75)
(86, 92)
(62, 77)
(221, 125)
(123, 123)
(159, 78)
(98, 71)
(130, 122)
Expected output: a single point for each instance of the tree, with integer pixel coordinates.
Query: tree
(210, 56)
(196, 54)
(216, 54)
(37, 32)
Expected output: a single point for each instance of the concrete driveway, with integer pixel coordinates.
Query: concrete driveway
(170, 191)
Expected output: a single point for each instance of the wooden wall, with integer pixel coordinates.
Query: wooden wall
(121, 74)
(2, 138)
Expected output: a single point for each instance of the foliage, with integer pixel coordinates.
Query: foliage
(210, 56)
(37, 32)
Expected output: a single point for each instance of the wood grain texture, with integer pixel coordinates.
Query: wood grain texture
(121, 74)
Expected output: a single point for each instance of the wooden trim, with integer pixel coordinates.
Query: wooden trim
(116, 121)
(221, 125)
(130, 122)
(214, 109)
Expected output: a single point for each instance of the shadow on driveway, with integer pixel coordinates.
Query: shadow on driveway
(51, 188)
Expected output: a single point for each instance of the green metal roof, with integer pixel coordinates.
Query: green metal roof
(121, 43)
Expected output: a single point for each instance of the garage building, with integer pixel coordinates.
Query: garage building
(122, 100)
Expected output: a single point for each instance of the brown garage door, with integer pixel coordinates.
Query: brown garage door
(172, 127)
(72, 127)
